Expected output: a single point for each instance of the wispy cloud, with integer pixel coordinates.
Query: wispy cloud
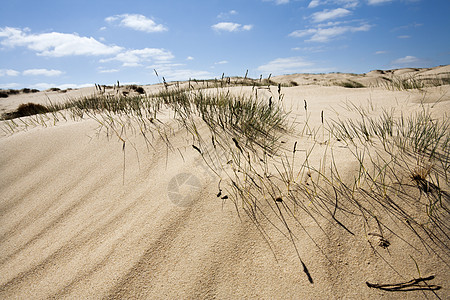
(285, 65)
(406, 60)
(289, 65)
(189, 58)
(314, 3)
(309, 49)
(136, 22)
(222, 62)
(135, 58)
(380, 52)
(404, 36)
(8, 72)
(376, 2)
(42, 72)
(328, 33)
(45, 86)
(330, 14)
(231, 27)
(55, 44)
(107, 71)
(343, 3)
(226, 15)
(10, 85)
(411, 61)
(406, 27)
(172, 71)
(278, 2)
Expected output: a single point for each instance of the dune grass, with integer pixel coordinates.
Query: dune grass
(412, 82)
(400, 184)
(403, 162)
(350, 84)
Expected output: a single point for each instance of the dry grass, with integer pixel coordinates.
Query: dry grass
(401, 184)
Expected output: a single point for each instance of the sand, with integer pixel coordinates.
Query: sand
(76, 224)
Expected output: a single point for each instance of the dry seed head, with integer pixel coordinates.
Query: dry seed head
(421, 172)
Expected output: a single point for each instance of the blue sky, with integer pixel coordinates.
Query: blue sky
(64, 43)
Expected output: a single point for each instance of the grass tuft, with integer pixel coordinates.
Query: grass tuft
(350, 84)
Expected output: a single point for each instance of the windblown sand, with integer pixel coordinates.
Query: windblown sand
(82, 219)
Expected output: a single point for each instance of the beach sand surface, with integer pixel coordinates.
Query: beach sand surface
(84, 217)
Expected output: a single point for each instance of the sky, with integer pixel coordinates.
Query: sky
(71, 44)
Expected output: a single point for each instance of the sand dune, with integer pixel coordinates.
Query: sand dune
(81, 218)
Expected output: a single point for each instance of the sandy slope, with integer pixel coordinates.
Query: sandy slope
(74, 223)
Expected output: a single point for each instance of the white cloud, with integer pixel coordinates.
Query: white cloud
(226, 26)
(134, 58)
(326, 34)
(330, 24)
(376, 2)
(108, 70)
(343, 3)
(406, 60)
(350, 3)
(314, 3)
(303, 32)
(408, 26)
(185, 74)
(45, 86)
(172, 72)
(8, 72)
(11, 85)
(222, 62)
(42, 72)
(380, 52)
(189, 58)
(231, 27)
(404, 36)
(330, 14)
(136, 22)
(285, 65)
(55, 44)
(411, 61)
(226, 15)
(309, 49)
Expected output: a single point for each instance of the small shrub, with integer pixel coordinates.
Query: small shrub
(350, 84)
(137, 89)
(13, 92)
(140, 90)
(30, 108)
(3, 94)
(27, 109)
